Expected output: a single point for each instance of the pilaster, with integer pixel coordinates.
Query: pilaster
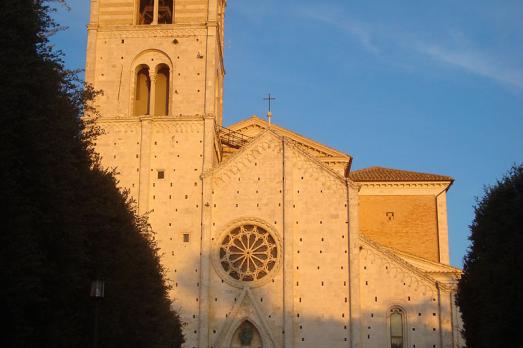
(446, 329)
(210, 70)
(443, 228)
(288, 248)
(145, 164)
(354, 265)
(206, 222)
(92, 34)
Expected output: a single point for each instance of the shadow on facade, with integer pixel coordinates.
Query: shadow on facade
(255, 317)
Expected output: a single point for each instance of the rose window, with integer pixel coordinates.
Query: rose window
(248, 253)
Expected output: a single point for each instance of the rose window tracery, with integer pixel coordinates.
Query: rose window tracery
(248, 253)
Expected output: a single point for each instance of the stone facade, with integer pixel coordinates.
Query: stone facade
(267, 238)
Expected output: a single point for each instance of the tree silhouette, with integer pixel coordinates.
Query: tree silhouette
(490, 291)
(64, 221)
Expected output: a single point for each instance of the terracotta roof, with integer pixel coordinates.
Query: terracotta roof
(389, 174)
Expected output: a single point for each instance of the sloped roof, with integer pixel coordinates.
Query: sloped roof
(255, 125)
(427, 270)
(389, 174)
(425, 265)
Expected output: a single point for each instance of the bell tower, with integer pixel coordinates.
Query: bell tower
(159, 64)
(157, 57)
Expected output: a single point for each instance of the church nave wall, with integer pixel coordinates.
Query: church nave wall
(387, 287)
(307, 211)
(320, 253)
(248, 191)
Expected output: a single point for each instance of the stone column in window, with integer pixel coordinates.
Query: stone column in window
(152, 98)
(155, 14)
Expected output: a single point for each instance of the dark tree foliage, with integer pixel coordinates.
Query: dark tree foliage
(64, 222)
(490, 293)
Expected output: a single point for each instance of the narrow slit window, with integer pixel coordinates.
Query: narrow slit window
(396, 328)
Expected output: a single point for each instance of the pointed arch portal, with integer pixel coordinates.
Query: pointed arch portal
(246, 335)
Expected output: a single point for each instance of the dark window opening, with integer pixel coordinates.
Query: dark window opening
(146, 12)
(165, 12)
(162, 91)
(142, 91)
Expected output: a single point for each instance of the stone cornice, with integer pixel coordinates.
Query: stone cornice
(403, 187)
(128, 119)
(132, 31)
(405, 184)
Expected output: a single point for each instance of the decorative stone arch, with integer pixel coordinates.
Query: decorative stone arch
(156, 62)
(217, 252)
(393, 311)
(246, 309)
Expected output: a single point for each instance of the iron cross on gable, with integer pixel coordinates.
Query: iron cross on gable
(269, 98)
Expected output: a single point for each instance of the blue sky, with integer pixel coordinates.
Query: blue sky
(427, 86)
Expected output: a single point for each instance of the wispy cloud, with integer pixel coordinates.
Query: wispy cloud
(455, 52)
(474, 62)
(357, 30)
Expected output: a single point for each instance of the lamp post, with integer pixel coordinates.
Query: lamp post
(97, 293)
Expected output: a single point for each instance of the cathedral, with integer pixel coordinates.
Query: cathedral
(267, 237)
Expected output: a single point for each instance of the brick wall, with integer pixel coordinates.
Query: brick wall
(406, 223)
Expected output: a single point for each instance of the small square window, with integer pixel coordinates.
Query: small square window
(161, 174)
(390, 215)
(186, 237)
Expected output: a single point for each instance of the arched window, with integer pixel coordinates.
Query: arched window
(161, 106)
(142, 91)
(396, 322)
(246, 335)
(145, 12)
(165, 12)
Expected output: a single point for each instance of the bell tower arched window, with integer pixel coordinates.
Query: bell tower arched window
(397, 328)
(142, 89)
(161, 107)
(145, 12)
(154, 12)
(165, 12)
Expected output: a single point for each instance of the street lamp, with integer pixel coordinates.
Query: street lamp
(97, 293)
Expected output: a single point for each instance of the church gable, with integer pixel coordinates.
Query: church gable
(272, 182)
(245, 158)
(337, 160)
(247, 191)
